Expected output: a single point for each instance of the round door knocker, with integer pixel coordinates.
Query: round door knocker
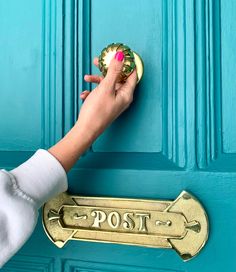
(131, 60)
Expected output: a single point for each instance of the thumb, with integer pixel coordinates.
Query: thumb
(115, 68)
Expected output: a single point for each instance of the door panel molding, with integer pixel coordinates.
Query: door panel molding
(29, 264)
(79, 266)
(208, 82)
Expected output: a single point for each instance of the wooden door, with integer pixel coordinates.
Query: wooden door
(179, 134)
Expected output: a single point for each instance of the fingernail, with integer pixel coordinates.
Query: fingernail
(119, 55)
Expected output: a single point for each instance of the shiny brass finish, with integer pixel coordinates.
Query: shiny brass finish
(180, 224)
(131, 60)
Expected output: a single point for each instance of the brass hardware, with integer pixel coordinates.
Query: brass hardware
(181, 224)
(131, 60)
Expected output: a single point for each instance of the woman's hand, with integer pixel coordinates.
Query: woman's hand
(108, 100)
(101, 106)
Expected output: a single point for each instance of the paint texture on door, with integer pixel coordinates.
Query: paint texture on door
(179, 134)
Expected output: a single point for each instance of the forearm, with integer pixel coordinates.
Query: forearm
(100, 108)
(69, 149)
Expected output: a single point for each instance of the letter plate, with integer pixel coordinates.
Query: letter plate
(181, 224)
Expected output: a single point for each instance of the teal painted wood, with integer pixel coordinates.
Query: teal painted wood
(178, 135)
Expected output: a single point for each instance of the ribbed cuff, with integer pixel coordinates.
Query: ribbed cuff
(41, 177)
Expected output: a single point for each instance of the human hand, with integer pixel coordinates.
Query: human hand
(108, 100)
(101, 106)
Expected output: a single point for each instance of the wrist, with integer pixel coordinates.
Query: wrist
(88, 133)
(84, 133)
(69, 149)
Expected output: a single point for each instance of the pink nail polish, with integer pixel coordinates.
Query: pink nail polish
(119, 55)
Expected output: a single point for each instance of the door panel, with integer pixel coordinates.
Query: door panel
(31, 75)
(143, 36)
(20, 75)
(179, 133)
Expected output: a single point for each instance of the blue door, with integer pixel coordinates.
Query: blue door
(179, 134)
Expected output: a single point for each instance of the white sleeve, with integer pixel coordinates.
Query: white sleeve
(22, 191)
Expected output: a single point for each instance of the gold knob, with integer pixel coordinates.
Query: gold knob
(131, 60)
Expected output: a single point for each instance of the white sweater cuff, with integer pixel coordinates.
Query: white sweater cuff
(41, 177)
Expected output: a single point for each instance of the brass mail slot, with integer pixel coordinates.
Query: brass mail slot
(181, 224)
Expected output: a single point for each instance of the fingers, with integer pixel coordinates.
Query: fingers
(113, 73)
(131, 82)
(126, 92)
(114, 69)
(84, 94)
(93, 78)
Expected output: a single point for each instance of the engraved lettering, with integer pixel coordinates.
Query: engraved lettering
(128, 221)
(143, 221)
(100, 217)
(114, 216)
(163, 223)
(79, 217)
